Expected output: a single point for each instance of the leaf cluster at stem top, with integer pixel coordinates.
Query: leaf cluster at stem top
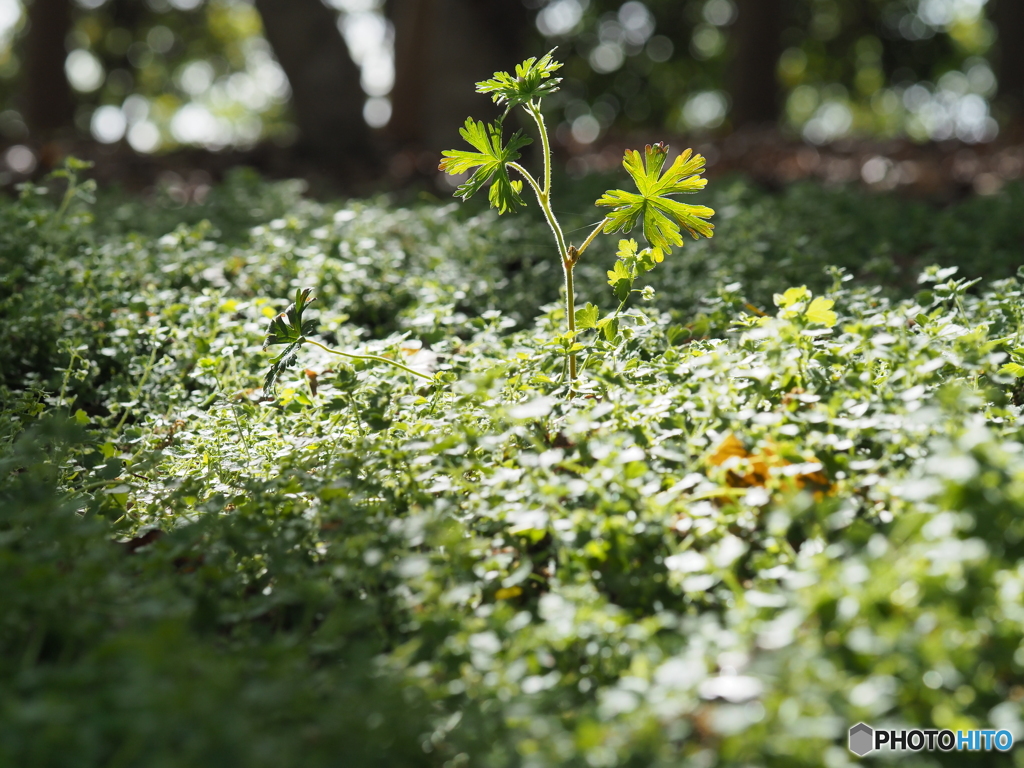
(532, 82)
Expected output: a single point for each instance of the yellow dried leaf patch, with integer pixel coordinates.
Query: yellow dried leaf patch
(758, 466)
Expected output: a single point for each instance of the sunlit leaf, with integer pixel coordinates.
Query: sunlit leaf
(791, 296)
(490, 161)
(1014, 369)
(290, 329)
(533, 81)
(587, 316)
(820, 311)
(279, 365)
(662, 217)
(609, 326)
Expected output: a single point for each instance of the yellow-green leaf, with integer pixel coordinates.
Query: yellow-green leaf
(491, 164)
(791, 297)
(532, 81)
(662, 217)
(820, 311)
(1014, 369)
(587, 316)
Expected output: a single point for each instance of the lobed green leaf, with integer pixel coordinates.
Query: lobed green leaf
(587, 317)
(491, 163)
(663, 217)
(532, 82)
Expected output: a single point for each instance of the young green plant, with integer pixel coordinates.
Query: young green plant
(290, 330)
(653, 205)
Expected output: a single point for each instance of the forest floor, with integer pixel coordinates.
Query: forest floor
(786, 494)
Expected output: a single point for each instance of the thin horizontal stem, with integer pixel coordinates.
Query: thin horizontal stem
(373, 358)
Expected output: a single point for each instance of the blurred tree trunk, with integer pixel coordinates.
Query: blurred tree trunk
(1008, 16)
(48, 103)
(326, 95)
(757, 41)
(443, 47)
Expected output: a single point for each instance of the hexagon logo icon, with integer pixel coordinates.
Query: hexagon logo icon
(862, 738)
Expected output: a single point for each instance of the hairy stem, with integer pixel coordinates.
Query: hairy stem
(545, 205)
(373, 358)
(570, 311)
(545, 143)
(544, 198)
(529, 180)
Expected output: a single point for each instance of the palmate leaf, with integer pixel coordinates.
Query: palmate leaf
(621, 280)
(662, 217)
(490, 162)
(532, 82)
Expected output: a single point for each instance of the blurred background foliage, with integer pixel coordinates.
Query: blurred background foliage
(155, 75)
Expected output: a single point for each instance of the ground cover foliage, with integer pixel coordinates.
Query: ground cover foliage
(769, 512)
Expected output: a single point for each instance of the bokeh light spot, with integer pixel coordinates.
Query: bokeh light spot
(84, 71)
(108, 124)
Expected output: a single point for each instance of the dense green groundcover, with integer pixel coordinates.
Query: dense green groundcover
(744, 533)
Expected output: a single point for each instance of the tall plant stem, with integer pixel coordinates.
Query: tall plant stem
(570, 311)
(373, 358)
(544, 199)
(567, 262)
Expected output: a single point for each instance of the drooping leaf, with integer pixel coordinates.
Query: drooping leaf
(609, 326)
(279, 365)
(532, 82)
(491, 163)
(290, 329)
(648, 259)
(653, 205)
